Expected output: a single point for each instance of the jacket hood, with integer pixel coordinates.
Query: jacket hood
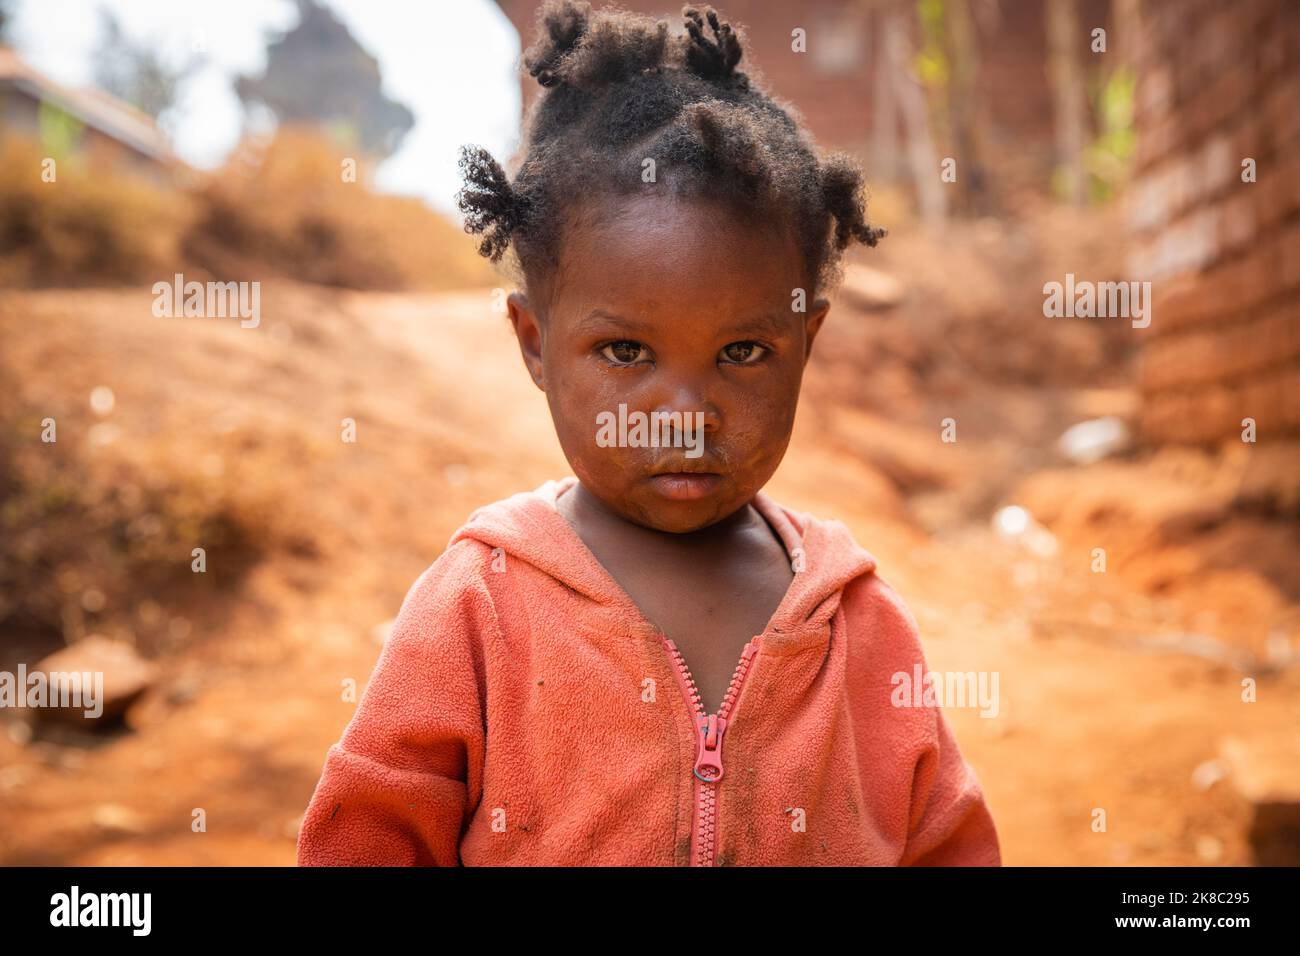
(529, 527)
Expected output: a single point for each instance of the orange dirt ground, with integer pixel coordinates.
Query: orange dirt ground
(1095, 710)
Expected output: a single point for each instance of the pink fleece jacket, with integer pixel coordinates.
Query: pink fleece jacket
(524, 712)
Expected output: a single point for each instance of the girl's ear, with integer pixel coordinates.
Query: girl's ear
(528, 330)
(812, 324)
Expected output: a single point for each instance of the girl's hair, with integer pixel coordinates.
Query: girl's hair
(619, 90)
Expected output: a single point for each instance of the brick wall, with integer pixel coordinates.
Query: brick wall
(1219, 82)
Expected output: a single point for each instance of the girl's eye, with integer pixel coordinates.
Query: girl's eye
(624, 352)
(743, 353)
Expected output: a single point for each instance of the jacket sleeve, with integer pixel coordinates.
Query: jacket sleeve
(395, 789)
(950, 821)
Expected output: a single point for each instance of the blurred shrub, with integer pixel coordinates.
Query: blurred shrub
(278, 208)
(92, 531)
(287, 207)
(1109, 156)
(85, 227)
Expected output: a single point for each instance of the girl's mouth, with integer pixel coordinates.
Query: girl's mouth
(685, 486)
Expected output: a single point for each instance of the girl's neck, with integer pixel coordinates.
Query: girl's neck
(589, 516)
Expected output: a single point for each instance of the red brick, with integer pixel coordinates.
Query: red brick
(1177, 302)
(1199, 417)
(1216, 164)
(1288, 243)
(1154, 94)
(1224, 354)
(1270, 188)
(1174, 361)
(1284, 112)
(1236, 219)
(1247, 141)
(1271, 400)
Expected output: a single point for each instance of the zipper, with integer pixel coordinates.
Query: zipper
(709, 729)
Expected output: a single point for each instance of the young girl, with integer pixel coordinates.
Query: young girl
(653, 663)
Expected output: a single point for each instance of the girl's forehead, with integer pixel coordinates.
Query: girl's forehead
(646, 241)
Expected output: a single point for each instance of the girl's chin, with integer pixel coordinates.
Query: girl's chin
(681, 516)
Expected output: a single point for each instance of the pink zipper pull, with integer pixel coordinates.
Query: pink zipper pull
(708, 762)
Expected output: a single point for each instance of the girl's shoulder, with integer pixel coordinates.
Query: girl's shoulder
(880, 623)
(456, 583)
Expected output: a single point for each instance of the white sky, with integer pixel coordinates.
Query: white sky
(451, 62)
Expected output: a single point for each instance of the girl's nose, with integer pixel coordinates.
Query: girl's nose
(693, 408)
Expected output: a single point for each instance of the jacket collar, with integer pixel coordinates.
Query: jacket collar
(528, 526)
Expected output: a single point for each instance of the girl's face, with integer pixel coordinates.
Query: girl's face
(680, 313)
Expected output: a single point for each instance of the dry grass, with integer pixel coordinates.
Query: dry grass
(285, 207)
(83, 229)
(98, 531)
(276, 209)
